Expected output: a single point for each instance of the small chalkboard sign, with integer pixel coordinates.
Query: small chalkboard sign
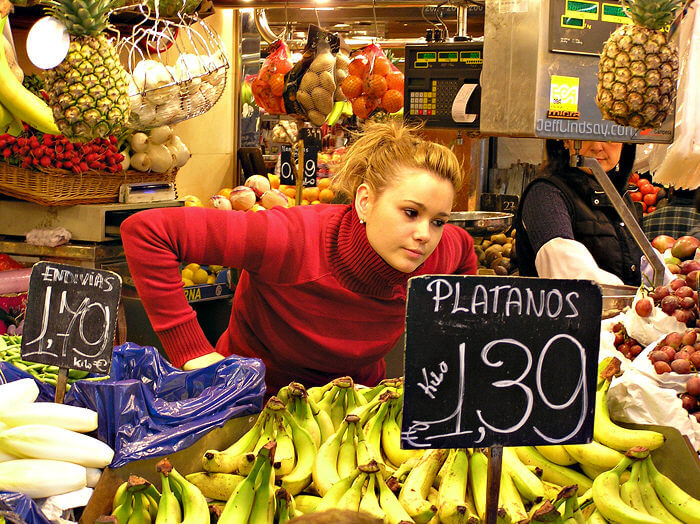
(310, 165)
(71, 317)
(505, 361)
(286, 165)
(498, 202)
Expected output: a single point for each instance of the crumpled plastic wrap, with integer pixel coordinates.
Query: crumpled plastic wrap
(50, 237)
(148, 408)
(22, 506)
(647, 330)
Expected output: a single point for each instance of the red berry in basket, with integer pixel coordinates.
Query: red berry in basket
(644, 307)
(661, 367)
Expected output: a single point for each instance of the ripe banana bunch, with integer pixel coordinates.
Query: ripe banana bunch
(339, 400)
(136, 501)
(414, 492)
(314, 420)
(19, 101)
(455, 505)
(647, 497)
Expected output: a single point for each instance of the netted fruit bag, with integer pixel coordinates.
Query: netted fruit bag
(268, 85)
(373, 82)
(311, 87)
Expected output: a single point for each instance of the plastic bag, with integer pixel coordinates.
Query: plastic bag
(648, 329)
(311, 86)
(373, 82)
(148, 408)
(268, 85)
(22, 507)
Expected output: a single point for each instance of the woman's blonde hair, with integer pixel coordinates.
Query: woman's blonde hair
(381, 150)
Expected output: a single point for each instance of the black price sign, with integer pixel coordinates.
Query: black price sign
(310, 163)
(286, 170)
(505, 361)
(498, 202)
(71, 317)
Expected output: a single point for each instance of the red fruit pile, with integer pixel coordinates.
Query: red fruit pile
(33, 149)
(691, 397)
(678, 352)
(678, 300)
(625, 344)
(646, 193)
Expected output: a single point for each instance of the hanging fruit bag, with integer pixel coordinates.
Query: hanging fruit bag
(268, 85)
(373, 82)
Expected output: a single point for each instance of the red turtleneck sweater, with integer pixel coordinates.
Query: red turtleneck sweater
(314, 300)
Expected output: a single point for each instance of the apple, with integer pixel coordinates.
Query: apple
(663, 242)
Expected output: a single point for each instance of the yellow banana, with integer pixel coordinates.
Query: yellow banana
(222, 462)
(263, 509)
(373, 430)
(414, 493)
(592, 471)
(364, 454)
(284, 512)
(302, 411)
(391, 438)
(648, 496)
(545, 512)
(194, 506)
(323, 419)
(347, 454)
(594, 453)
(606, 495)
(509, 499)
(239, 506)
(528, 484)
(285, 455)
(306, 503)
(169, 511)
(596, 518)
(267, 435)
(325, 468)
(300, 477)
(630, 492)
(333, 495)
(478, 468)
(610, 434)
(151, 505)
(557, 454)
(395, 512)
(552, 472)
(337, 410)
(369, 502)
(317, 393)
(678, 502)
(452, 494)
(20, 101)
(139, 512)
(245, 444)
(350, 500)
(217, 486)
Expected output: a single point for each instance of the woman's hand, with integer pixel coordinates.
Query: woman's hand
(203, 361)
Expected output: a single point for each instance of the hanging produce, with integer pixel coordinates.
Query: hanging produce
(638, 67)
(268, 85)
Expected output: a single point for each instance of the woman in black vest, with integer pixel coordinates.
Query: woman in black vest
(567, 228)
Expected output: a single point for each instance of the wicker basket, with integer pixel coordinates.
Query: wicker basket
(57, 187)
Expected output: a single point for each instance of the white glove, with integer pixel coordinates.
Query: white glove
(567, 258)
(203, 361)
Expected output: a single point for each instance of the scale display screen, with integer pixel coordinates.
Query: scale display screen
(582, 26)
(426, 57)
(448, 56)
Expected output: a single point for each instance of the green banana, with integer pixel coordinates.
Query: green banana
(350, 500)
(630, 492)
(337, 409)
(648, 495)
(123, 511)
(452, 494)
(237, 509)
(121, 495)
(217, 486)
(391, 438)
(606, 495)
(610, 434)
(414, 493)
(169, 511)
(5, 119)
(557, 454)
(263, 509)
(20, 101)
(267, 435)
(323, 419)
(306, 503)
(194, 506)
(370, 503)
(302, 411)
(509, 499)
(151, 505)
(678, 502)
(347, 454)
(528, 484)
(139, 512)
(325, 468)
(395, 512)
(594, 453)
(284, 511)
(334, 494)
(300, 477)
(316, 393)
(552, 472)
(285, 456)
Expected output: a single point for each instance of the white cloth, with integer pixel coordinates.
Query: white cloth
(567, 258)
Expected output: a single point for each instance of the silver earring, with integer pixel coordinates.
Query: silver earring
(362, 220)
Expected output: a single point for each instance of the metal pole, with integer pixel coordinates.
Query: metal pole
(626, 215)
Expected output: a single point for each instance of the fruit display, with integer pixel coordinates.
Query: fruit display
(638, 67)
(317, 87)
(88, 91)
(194, 275)
(677, 352)
(691, 397)
(628, 346)
(650, 196)
(373, 82)
(158, 150)
(495, 253)
(268, 84)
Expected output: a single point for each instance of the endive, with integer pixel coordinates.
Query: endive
(22, 391)
(41, 478)
(50, 442)
(63, 416)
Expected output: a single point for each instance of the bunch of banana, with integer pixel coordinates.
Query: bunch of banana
(414, 492)
(136, 501)
(294, 457)
(340, 399)
(313, 419)
(566, 508)
(647, 497)
(19, 102)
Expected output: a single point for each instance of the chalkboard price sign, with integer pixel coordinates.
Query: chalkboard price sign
(310, 164)
(505, 361)
(286, 170)
(71, 317)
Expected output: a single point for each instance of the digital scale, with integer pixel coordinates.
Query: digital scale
(441, 86)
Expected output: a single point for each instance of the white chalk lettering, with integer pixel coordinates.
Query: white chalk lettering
(518, 301)
(480, 298)
(560, 304)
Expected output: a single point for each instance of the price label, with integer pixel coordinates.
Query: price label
(286, 170)
(508, 361)
(71, 317)
(498, 202)
(310, 165)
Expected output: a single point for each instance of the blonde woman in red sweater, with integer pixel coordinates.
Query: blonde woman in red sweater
(322, 291)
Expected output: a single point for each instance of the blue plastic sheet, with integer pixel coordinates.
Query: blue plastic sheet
(21, 506)
(148, 408)
(47, 392)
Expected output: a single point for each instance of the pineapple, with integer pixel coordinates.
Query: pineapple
(88, 91)
(638, 67)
